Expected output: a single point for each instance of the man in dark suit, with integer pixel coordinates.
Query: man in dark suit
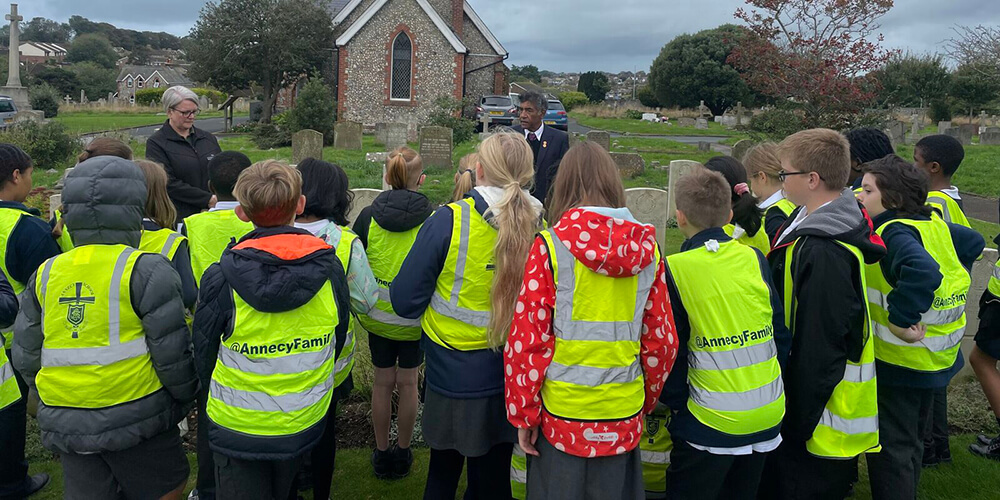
(548, 144)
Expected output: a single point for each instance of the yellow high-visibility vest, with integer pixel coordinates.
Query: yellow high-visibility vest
(386, 252)
(209, 233)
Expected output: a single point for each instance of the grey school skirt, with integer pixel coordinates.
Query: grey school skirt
(470, 426)
(554, 475)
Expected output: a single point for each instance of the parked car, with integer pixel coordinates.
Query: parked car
(556, 117)
(7, 111)
(499, 108)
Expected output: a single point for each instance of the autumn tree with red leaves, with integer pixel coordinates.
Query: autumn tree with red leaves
(814, 54)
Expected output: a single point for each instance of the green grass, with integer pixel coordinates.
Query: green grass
(87, 122)
(623, 125)
(978, 173)
(989, 231)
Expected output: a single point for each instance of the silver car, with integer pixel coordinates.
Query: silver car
(7, 111)
(500, 109)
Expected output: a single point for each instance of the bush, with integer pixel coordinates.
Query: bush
(314, 109)
(270, 136)
(647, 97)
(145, 97)
(776, 124)
(45, 98)
(215, 97)
(571, 100)
(632, 114)
(940, 111)
(446, 114)
(48, 144)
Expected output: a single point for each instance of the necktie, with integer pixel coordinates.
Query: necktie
(532, 137)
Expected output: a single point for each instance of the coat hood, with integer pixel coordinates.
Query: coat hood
(104, 199)
(843, 219)
(278, 269)
(400, 210)
(608, 241)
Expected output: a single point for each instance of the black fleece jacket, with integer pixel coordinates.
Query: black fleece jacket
(398, 210)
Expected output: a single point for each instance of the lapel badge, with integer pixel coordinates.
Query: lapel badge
(545, 144)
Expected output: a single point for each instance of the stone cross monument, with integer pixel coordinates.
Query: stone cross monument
(14, 55)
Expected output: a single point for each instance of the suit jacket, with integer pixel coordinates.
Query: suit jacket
(554, 145)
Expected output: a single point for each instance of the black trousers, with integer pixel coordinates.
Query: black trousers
(13, 466)
(697, 474)
(320, 461)
(936, 433)
(488, 477)
(237, 479)
(792, 473)
(206, 459)
(902, 418)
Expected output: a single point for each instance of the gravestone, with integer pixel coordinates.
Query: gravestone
(629, 164)
(436, 146)
(969, 128)
(54, 203)
(13, 89)
(306, 143)
(739, 113)
(704, 146)
(943, 125)
(363, 197)
(728, 121)
(701, 124)
(989, 139)
(685, 121)
(718, 119)
(203, 103)
(649, 205)
(915, 126)
(991, 129)
(67, 100)
(347, 135)
(111, 97)
(897, 132)
(678, 169)
(601, 137)
(83, 96)
(703, 110)
(741, 148)
(395, 136)
(963, 136)
(380, 133)
(649, 117)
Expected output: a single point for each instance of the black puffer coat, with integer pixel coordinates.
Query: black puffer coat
(397, 211)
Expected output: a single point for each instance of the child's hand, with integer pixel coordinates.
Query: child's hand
(526, 439)
(57, 231)
(909, 335)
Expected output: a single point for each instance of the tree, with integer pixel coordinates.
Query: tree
(81, 25)
(236, 43)
(647, 97)
(45, 98)
(44, 30)
(694, 68)
(595, 84)
(571, 100)
(92, 48)
(139, 55)
(977, 48)
(95, 79)
(913, 80)
(525, 73)
(61, 79)
(314, 109)
(813, 53)
(973, 89)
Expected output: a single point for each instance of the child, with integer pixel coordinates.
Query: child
(940, 156)
(388, 229)
(727, 386)
(762, 166)
(461, 278)
(465, 178)
(984, 358)
(818, 269)
(747, 224)
(27, 242)
(916, 293)
(210, 232)
(101, 337)
(867, 144)
(157, 237)
(325, 216)
(279, 286)
(582, 437)
(655, 449)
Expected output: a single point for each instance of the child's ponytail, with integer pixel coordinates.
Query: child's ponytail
(403, 168)
(465, 178)
(746, 213)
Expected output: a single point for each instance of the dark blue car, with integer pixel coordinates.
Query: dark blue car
(556, 116)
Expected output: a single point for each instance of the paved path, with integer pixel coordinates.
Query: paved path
(980, 208)
(212, 125)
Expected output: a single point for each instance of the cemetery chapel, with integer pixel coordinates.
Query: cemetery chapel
(394, 58)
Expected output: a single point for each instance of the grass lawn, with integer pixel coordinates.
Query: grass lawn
(623, 125)
(978, 173)
(84, 122)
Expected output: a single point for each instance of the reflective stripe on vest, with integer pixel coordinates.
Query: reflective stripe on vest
(209, 233)
(945, 320)
(9, 391)
(595, 372)
(345, 362)
(848, 425)
(734, 379)
(994, 284)
(950, 211)
(9, 218)
(386, 252)
(274, 376)
(94, 352)
(518, 473)
(162, 241)
(459, 310)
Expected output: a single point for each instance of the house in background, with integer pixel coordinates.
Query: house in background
(133, 78)
(40, 53)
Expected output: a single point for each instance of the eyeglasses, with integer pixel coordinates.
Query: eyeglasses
(188, 114)
(782, 175)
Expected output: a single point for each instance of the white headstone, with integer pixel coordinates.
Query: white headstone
(649, 205)
(649, 117)
(678, 169)
(362, 198)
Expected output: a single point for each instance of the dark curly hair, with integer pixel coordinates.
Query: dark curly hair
(325, 187)
(12, 158)
(903, 186)
(746, 213)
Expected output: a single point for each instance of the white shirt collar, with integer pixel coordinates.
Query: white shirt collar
(952, 192)
(225, 205)
(771, 200)
(538, 133)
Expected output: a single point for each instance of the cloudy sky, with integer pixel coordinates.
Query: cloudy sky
(571, 35)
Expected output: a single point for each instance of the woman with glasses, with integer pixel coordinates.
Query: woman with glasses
(184, 151)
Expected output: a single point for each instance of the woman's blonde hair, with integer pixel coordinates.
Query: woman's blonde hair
(403, 168)
(105, 146)
(508, 164)
(763, 158)
(159, 208)
(465, 178)
(587, 176)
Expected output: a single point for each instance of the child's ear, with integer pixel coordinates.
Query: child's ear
(682, 219)
(935, 167)
(211, 188)
(241, 214)
(301, 206)
(423, 177)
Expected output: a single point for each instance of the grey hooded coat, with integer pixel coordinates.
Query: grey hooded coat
(104, 200)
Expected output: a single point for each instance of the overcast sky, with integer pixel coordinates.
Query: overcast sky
(570, 35)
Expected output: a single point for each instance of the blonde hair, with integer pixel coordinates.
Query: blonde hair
(269, 192)
(703, 196)
(824, 151)
(587, 176)
(763, 158)
(403, 168)
(105, 146)
(159, 208)
(465, 178)
(508, 163)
